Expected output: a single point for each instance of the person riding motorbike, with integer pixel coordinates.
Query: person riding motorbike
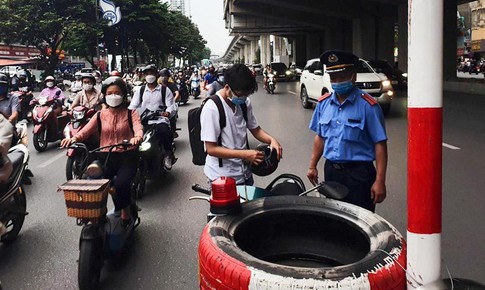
(6, 133)
(76, 85)
(153, 100)
(268, 70)
(167, 81)
(89, 97)
(52, 90)
(9, 104)
(209, 77)
(24, 82)
(115, 124)
(217, 85)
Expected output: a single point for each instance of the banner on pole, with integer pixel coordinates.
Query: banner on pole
(110, 12)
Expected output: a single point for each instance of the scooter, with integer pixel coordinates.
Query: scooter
(103, 236)
(13, 204)
(46, 127)
(271, 84)
(72, 96)
(184, 92)
(79, 117)
(195, 87)
(25, 97)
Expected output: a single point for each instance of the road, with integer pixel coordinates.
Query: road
(165, 252)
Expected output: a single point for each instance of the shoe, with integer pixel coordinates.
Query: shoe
(167, 162)
(175, 135)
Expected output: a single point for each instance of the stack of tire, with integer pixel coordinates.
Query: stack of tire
(291, 242)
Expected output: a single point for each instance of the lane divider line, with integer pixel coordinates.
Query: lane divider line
(52, 160)
(293, 93)
(450, 146)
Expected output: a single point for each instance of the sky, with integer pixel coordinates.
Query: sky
(208, 15)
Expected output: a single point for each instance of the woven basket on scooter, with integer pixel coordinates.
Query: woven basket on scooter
(86, 199)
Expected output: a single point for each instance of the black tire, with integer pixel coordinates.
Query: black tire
(15, 221)
(139, 183)
(89, 264)
(40, 140)
(304, 98)
(73, 169)
(302, 241)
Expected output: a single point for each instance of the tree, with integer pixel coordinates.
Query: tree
(44, 24)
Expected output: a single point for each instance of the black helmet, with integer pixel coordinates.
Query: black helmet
(165, 73)
(88, 76)
(150, 67)
(269, 163)
(114, 81)
(3, 79)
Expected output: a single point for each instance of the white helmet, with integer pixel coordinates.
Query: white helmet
(49, 78)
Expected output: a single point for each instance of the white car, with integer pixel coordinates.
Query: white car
(315, 82)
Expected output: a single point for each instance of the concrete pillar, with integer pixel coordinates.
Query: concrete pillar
(385, 39)
(449, 40)
(265, 49)
(253, 46)
(314, 44)
(243, 53)
(402, 20)
(364, 37)
(247, 50)
(300, 50)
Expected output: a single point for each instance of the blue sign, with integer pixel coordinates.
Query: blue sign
(110, 12)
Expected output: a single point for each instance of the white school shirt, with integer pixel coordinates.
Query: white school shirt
(234, 136)
(152, 100)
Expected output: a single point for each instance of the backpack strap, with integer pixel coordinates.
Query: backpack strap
(130, 122)
(222, 120)
(164, 93)
(244, 109)
(142, 90)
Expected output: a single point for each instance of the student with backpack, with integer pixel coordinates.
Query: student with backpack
(228, 153)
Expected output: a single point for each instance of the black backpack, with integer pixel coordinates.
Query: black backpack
(196, 145)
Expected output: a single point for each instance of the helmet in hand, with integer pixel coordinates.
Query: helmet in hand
(269, 163)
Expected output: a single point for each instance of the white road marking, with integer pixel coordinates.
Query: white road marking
(293, 93)
(451, 146)
(52, 160)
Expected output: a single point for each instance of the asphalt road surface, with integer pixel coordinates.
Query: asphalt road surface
(165, 252)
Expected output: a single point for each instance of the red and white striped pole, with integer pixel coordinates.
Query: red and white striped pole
(425, 115)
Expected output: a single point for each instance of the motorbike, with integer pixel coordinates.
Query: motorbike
(270, 84)
(151, 155)
(102, 236)
(184, 92)
(25, 97)
(13, 203)
(195, 87)
(46, 127)
(79, 117)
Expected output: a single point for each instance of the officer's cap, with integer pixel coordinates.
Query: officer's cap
(337, 60)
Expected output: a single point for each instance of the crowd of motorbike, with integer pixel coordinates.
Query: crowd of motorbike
(53, 119)
(472, 66)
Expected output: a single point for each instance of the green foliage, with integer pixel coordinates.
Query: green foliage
(147, 31)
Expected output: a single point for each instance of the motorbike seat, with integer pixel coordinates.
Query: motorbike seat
(17, 159)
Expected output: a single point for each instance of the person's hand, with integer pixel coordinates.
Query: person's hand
(136, 140)
(275, 145)
(254, 156)
(166, 114)
(378, 191)
(66, 142)
(312, 175)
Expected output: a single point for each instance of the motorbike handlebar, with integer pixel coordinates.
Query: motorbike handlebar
(201, 189)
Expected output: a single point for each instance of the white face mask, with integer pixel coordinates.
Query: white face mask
(114, 100)
(87, 87)
(150, 79)
(49, 84)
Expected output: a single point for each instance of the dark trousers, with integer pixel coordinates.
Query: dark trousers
(164, 137)
(121, 169)
(358, 177)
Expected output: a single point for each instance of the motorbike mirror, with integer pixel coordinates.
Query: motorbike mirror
(333, 190)
(58, 93)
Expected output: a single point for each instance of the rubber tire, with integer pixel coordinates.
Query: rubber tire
(89, 264)
(17, 218)
(219, 248)
(70, 163)
(42, 146)
(139, 183)
(304, 98)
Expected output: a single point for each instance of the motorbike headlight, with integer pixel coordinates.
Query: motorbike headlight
(78, 115)
(95, 170)
(386, 83)
(42, 101)
(145, 146)
(404, 75)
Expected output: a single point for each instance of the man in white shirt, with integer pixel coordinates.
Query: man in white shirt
(157, 98)
(238, 84)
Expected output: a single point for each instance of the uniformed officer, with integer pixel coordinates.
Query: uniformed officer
(350, 134)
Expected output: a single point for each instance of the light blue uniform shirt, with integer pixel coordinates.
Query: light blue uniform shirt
(351, 129)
